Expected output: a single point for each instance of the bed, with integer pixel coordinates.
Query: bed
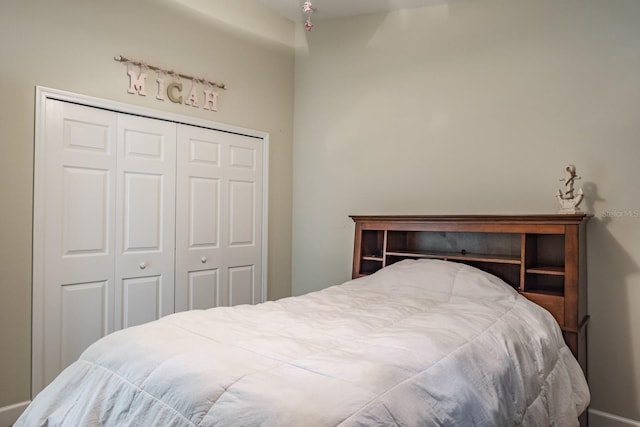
(418, 343)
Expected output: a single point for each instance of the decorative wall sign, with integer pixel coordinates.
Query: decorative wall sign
(199, 93)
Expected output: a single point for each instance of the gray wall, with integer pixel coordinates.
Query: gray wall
(70, 45)
(475, 107)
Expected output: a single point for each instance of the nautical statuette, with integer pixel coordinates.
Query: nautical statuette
(569, 198)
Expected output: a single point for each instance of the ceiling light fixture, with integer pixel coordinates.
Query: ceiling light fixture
(308, 8)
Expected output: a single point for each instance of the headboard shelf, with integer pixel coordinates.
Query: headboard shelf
(541, 256)
(554, 271)
(457, 256)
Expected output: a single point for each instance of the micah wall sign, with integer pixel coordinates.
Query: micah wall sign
(169, 85)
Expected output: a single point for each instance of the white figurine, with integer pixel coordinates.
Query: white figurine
(568, 200)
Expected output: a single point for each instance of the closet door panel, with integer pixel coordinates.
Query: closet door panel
(204, 208)
(141, 300)
(145, 220)
(85, 213)
(241, 284)
(76, 194)
(85, 313)
(143, 211)
(242, 210)
(198, 224)
(242, 213)
(204, 287)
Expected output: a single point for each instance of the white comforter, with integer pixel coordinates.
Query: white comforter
(420, 343)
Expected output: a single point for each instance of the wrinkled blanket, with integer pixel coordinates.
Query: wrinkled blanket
(419, 343)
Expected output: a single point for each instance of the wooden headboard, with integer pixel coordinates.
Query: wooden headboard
(541, 256)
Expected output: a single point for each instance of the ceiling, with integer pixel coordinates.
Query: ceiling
(326, 9)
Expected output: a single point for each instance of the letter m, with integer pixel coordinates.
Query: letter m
(136, 84)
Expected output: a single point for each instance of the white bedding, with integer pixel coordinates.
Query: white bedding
(419, 343)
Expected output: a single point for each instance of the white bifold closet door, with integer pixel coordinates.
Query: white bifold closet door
(145, 220)
(142, 217)
(79, 233)
(218, 227)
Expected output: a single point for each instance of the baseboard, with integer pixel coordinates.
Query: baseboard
(603, 419)
(9, 414)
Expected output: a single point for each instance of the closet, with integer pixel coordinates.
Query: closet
(135, 218)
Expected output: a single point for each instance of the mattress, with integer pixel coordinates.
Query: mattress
(419, 343)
